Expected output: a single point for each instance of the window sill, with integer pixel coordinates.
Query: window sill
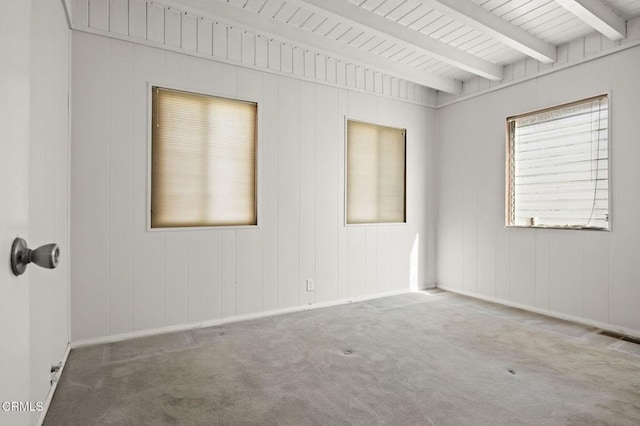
(573, 228)
(355, 225)
(203, 228)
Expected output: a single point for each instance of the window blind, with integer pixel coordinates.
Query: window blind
(559, 166)
(375, 173)
(203, 170)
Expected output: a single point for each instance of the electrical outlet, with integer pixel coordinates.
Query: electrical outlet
(310, 285)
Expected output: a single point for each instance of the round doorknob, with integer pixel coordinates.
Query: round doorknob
(46, 256)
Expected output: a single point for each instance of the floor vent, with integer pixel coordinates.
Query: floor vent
(620, 336)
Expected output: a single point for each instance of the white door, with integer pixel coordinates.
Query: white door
(48, 189)
(34, 152)
(14, 208)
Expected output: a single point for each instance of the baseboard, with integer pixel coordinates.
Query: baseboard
(52, 389)
(228, 320)
(573, 318)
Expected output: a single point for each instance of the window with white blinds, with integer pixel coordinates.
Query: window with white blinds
(375, 174)
(203, 160)
(557, 166)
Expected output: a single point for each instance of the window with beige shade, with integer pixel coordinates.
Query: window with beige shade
(203, 160)
(376, 174)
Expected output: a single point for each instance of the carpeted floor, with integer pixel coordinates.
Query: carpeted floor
(414, 359)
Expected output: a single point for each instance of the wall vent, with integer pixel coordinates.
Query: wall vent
(620, 336)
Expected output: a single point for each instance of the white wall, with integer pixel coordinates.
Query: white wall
(589, 275)
(125, 278)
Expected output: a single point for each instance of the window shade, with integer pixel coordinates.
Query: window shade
(203, 170)
(559, 166)
(375, 173)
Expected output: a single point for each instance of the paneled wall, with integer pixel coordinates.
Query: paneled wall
(589, 275)
(126, 279)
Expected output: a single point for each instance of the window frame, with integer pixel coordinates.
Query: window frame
(507, 198)
(149, 159)
(348, 118)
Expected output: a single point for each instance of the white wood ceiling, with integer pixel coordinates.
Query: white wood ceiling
(435, 43)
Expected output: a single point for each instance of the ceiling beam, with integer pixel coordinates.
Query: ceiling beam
(386, 28)
(67, 12)
(483, 20)
(254, 22)
(595, 14)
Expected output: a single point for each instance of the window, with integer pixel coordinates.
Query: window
(203, 160)
(557, 166)
(375, 174)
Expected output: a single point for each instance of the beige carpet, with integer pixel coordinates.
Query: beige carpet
(415, 359)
